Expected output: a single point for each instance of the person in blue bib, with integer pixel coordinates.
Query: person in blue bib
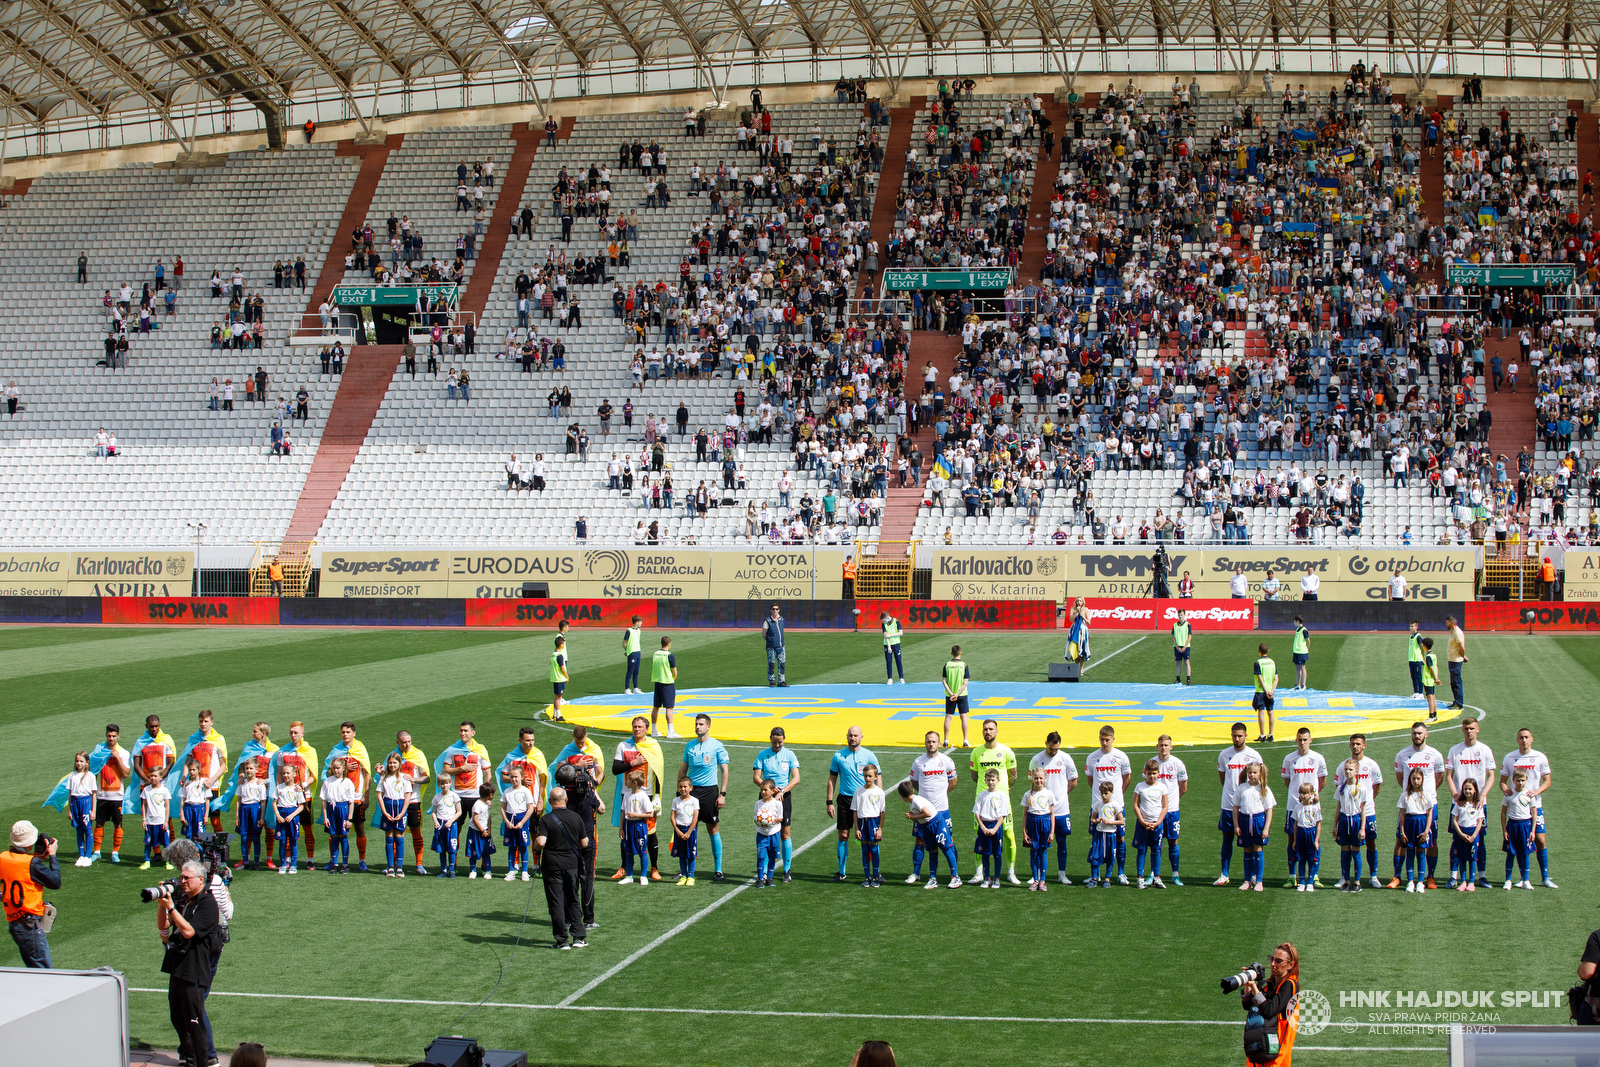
(705, 763)
(844, 778)
(781, 767)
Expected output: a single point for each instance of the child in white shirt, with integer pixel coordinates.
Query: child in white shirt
(1466, 827)
(480, 845)
(868, 805)
(290, 800)
(1105, 817)
(516, 808)
(685, 830)
(1150, 807)
(1517, 815)
(990, 809)
(394, 794)
(80, 805)
(156, 803)
(1355, 799)
(338, 802)
(252, 797)
(195, 788)
(1252, 819)
(638, 820)
(1038, 828)
(1307, 839)
(446, 813)
(769, 838)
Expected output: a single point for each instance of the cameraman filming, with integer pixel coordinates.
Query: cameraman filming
(1277, 1001)
(181, 852)
(1160, 567)
(190, 924)
(26, 871)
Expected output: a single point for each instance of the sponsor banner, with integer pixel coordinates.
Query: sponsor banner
(371, 612)
(793, 567)
(1376, 590)
(383, 574)
(1127, 571)
(148, 573)
(1362, 615)
(749, 614)
(1581, 579)
(580, 574)
(545, 614)
(190, 611)
(797, 589)
(1208, 614)
(1546, 616)
(47, 610)
(978, 574)
(34, 573)
(1122, 613)
(959, 614)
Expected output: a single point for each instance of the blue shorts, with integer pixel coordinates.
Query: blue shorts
(988, 844)
(958, 706)
(869, 828)
(1349, 829)
(935, 833)
(335, 816)
(1180, 654)
(1538, 820)
(1225, 821)
(636, 834)
(1519, 836)
(80, 810)
(517, 837)
(1038, 829)
(1405, 821)
(1063, 826)
(1169, 826)
(1463, 851)
(1144, 837)
(446, 838)
(394, 816)
(157, 837)
(1253, 830)
(1305, 842)
(685, 848)
(666, 695)
(558, 687)
(1419, 830)
(1300, 658)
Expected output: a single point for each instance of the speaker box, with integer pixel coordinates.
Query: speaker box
(458, 1052)
(1065, 672)
(536, 590)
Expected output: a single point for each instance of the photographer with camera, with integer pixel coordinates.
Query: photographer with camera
(190, 924)
(564, 846)
(26, 871)
(1271, 1000)
(211, 852)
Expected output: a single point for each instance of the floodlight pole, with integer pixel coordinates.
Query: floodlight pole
(199, 529)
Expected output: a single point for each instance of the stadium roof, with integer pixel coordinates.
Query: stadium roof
(94, 58)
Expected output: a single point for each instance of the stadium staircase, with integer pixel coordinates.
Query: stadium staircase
(1432, 174)
(900, 510)
(1588, 142)
(901, 121)
(1516, 424)
(512, 196)
(362, 387)
(373, 159)
(1044, 182)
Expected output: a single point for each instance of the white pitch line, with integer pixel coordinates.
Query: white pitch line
(639, 953)
(881, 1016)
(1095, 663)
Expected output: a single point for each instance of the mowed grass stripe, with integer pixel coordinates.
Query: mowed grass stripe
(120, 648)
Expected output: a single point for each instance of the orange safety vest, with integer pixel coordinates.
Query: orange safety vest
(22, 895)
(849, 569)
(1547, 572)
(275, 571)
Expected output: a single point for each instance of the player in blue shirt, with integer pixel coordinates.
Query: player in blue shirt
(705, 762)
(844, 778)
(780, 766)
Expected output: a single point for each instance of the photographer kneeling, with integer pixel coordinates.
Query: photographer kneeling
(1276, 1001)
(190, 924)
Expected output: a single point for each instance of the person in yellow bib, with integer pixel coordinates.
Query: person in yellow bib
(631, 638)
(1414, 659)
(664, 679)
(992, 756)
(1182, 635)
(891, 648)
(558, 678)
(1266, 675)
(1430, 678)
(956, 677)
(1301, 651)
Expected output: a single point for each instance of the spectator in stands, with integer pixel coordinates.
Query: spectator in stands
(261, 383)
(464, 383)
(13, 395)
(278, 435)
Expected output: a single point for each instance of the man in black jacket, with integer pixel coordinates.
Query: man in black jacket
(189, 923)
(562, 839)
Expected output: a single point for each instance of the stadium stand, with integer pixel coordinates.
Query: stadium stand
(179, 460)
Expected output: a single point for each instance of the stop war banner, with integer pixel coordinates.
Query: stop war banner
(959, 614)
(547, 614)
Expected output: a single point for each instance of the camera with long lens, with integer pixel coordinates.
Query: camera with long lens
(1253, 973)
(156, 892)
(574, 777)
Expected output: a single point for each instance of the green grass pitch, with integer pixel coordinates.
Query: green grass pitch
(1077, 976)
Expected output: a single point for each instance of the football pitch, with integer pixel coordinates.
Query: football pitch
(368, 968)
